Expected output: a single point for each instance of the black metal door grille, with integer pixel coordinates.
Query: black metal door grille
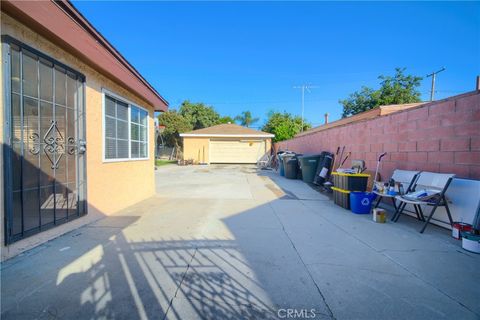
(45, 174)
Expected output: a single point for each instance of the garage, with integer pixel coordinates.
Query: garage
(226, 143)
(236, 151)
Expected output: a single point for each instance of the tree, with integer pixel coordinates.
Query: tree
(284, 125)
(226, 119)
(398, 89)
(360, 101)
(199, 115)
(246, 119)
(174, 124)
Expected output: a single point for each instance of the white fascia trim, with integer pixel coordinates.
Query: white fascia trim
(227, 135)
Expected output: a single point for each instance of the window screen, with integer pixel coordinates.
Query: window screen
(138, 131)
(126, 128)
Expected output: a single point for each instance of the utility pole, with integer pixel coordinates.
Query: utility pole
(304, 87)
(433, 75)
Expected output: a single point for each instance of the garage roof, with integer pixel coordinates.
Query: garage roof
(227, 130)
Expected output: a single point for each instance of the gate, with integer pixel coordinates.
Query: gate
(44, 149)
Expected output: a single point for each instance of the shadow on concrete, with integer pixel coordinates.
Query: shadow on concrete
(257, 260)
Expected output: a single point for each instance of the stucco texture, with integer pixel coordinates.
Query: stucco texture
(197, 149)
(111, 186)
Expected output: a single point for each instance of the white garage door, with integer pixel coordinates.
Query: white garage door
(236, 151)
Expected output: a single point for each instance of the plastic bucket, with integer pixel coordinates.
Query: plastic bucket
(361, 202)
(458, 228)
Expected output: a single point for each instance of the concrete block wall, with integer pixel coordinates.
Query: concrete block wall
(441, 136)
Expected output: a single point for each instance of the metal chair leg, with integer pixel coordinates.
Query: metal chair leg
(394, 203)
(429, 218)
(399, 211)
(416, 212)
(378, 201)
(421, 213)
(396, 212)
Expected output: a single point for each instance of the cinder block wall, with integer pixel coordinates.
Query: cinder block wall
(442, 136)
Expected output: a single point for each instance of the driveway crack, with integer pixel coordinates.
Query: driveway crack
(304, 265)
(180, 284)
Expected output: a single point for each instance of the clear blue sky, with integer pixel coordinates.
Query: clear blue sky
(248, 56)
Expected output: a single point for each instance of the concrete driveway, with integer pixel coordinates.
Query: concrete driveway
(228, 242)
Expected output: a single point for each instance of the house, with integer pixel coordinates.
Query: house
(78, 129)
(226, 143)
(362, 116)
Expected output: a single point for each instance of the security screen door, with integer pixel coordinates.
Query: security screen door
(44, 151)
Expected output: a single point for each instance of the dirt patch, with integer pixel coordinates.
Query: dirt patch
(281, 194)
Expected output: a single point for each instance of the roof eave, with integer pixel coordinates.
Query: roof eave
(62, 24)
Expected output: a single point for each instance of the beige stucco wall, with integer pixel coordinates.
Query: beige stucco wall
(196, 149)
(110, 186)
(268, 146)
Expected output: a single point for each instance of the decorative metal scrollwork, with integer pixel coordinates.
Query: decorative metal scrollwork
(35, 149)
(54, 144)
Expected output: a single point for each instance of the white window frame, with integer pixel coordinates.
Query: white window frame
(106, 92)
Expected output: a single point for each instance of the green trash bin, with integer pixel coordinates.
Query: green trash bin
(308, 165)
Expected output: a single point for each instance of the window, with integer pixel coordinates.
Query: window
(138, 132)
(126, 130)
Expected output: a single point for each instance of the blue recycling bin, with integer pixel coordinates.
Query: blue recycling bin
(361, 202)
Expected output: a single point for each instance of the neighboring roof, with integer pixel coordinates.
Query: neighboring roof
(370, 114)
(227, 130)
(61, 23)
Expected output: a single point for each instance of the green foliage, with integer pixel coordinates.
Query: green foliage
(284, 125)
(398, 89)
(226, 119)
(359, 101)
(161, 162)
(199, 115)
(174, 124)
(246, 119)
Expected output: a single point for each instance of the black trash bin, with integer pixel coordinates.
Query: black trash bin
(299, 169)
(291, 168)
(285, 158)
(324, 168)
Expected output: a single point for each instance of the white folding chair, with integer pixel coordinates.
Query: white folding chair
(437, 182)
(406, 178)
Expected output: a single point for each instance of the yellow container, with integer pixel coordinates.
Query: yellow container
(379, 215)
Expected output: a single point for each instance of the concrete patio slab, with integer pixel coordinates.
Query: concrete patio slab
(229, 241)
